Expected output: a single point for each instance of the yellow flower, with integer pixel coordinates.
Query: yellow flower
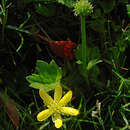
(57, 106)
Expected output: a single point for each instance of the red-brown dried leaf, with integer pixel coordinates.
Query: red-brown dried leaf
(11, 109)
(63, 49)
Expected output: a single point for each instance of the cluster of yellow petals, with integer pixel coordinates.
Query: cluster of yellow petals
(57, 106)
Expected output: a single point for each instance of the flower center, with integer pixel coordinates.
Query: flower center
(54, 108)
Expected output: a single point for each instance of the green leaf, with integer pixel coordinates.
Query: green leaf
(49, 71)
(93, 63)
(46, 10)
(108, 6)
(94, 53)
(79, 62)
(78, 53)
(94, 74)
(97, 13)
(68, 3)
(98, 25)
(46, 87)
(48, 76)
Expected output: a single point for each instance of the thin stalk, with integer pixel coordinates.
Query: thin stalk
(84, 45)
(84, 48)
(3, 26)
(4, 19)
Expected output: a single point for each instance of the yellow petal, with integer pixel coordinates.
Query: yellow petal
(58, 93)
(46, 98)
(43, 115)
(67, 97)
(70, 111)
(58, 123)
(58, 120)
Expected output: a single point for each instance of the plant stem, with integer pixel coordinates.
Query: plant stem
(84, 46)
(3, 28)
(4, 18)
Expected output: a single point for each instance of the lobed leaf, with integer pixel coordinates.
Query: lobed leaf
(48, 76)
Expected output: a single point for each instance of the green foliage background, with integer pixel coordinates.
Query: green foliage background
(23, 55)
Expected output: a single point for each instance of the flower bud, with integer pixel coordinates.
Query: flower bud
(83, 8)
